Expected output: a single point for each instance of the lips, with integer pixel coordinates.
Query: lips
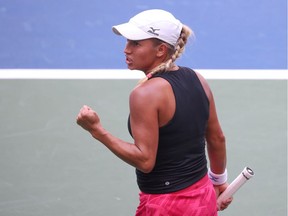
(128, 60)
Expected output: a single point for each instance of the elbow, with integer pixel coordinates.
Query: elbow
(146, 167)
(146, 171)
(221, 139)
(216, 141)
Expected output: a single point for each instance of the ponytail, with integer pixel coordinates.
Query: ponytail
(175, 53)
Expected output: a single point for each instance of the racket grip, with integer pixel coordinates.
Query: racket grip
(238, 182)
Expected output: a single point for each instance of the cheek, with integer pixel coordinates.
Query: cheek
(145, 57)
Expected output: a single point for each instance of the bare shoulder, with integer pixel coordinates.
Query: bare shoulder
(150, 89)
(205, 85)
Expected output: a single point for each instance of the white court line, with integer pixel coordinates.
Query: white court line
(225, 74)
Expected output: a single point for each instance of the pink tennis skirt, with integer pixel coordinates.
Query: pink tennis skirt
(196, 200)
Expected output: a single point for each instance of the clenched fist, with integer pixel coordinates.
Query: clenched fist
(89, 120)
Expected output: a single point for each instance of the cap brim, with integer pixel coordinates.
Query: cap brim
(130, 32)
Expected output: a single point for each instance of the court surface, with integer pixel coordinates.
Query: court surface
(51, 167)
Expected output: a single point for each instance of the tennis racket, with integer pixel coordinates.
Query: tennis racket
(238, 182)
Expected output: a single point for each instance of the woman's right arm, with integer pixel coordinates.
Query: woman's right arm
(144, 124)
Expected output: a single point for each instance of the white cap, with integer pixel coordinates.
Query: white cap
(153, 23)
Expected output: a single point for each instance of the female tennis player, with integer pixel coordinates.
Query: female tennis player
(172, 120)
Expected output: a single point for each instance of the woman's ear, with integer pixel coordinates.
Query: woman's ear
(162, 50)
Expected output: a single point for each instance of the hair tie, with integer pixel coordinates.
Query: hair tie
(149, 75)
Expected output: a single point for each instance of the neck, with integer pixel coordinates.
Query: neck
(150, 73)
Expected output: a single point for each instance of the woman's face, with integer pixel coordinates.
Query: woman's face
(141, 55)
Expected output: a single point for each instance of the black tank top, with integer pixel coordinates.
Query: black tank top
(181, 159)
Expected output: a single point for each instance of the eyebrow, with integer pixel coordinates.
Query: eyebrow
(134, 40)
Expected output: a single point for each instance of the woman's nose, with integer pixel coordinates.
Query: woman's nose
(126, 49)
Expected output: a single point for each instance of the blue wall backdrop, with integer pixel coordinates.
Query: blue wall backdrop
(230, 34)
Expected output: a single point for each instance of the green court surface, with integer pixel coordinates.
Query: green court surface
(49, 166)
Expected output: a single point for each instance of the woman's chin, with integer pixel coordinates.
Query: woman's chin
(130, 67)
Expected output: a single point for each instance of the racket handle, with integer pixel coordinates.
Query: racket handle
(238, 182)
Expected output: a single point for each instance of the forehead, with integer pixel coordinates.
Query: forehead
(154, 41)
(142, 41)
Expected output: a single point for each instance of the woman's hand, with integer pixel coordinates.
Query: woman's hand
(89, 120)
(224, 204)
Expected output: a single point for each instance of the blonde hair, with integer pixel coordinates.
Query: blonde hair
(174, 53)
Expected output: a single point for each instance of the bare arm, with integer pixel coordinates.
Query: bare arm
(144, 123)
(216, 145)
